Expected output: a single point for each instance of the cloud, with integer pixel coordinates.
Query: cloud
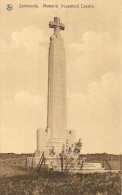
(30, 40)
(24, 62)
(20, 118)
(92, 41)
(96, 115)
(31, 37)
(90, 58)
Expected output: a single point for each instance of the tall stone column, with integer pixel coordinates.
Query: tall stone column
(56, 113)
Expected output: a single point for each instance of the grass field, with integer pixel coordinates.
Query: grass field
(16, 180)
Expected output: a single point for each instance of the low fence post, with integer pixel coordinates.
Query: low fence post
(62, 166)
(32, 161)
(26, 163)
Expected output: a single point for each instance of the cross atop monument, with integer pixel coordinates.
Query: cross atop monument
(56, 25)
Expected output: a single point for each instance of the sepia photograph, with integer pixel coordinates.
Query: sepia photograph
(60, 97)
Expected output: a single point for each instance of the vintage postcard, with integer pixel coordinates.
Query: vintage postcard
(60, 97)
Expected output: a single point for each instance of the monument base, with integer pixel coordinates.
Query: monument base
(58, 164)
(49, 163)
(52, 148)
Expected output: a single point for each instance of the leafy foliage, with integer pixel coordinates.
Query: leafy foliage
(70, 155)
(77, 147)
(62, 184)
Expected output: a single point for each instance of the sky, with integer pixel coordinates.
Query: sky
(93, 73)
